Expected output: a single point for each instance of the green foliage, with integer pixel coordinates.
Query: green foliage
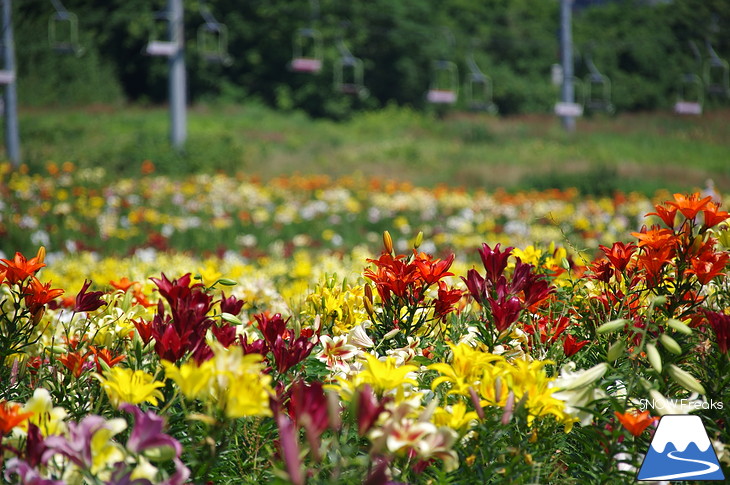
(642, 49)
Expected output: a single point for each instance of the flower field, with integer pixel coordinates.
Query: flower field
(218, 329)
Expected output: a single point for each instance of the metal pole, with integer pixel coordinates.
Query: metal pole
(12, 137)
(566, 53)
(178, 130)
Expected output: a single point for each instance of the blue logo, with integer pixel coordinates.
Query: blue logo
(680, 450)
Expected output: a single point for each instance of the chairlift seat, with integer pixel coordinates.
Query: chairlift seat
(441, 96)
(7, 77)
(161, 48)
(688, 108)
(350, 88)
(306, 64)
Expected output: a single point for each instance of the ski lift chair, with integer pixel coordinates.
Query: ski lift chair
(691, 90)
(690, 96)
(307, 42)
(63, 31)
(444, 88)
(157, 47)
(349, 73)
(716, 74)
(576, 108)
(597, 90)
(213, 38)
(478, 88)
(479, 93)
(307, 51)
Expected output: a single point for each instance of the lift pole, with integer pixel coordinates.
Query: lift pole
(12, 137)
(567, 91)
(177, 87)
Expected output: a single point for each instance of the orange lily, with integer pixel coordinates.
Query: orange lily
(106, 356)
(689, 206)
(667, 215)
(655, 238)
(19, 268)
(713, 216)
(707, 266)
(74, 361)
(635, 422)
(123, 284)
(10, 417)
(38, 294)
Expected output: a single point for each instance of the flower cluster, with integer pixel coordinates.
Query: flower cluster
(413, 367)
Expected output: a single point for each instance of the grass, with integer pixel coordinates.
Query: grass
(641, 152)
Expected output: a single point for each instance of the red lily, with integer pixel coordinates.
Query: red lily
(571, 346)
(619, 254)
(444, 304)
(432, 270)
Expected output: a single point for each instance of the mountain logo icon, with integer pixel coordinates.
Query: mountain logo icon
(680, 450)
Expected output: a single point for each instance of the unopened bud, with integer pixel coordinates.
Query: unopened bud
(659, 300)
(588, 377)
(679, 326)
(615, 350)
(612, 326)
(41, 255)
(419, 240)
(654, 358)
(685, 379)
(230, 318)
(368, 306)
(387, 242)
(391, 334)
(368, 293)
(670, 344)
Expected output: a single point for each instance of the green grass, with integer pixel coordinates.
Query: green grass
(641, 152)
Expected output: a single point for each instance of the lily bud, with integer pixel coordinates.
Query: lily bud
(679, 326)
(587, 377)
(368, 306)
(615, 350)
(387, 242)
(685, 379)
(419, 240)
(670, 344)
(654, 358)
(230, 318)
(612, 326)
(41, 255)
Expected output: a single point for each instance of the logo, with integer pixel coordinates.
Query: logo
(680, 450)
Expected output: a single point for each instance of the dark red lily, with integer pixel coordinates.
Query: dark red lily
(505, 311)
(494, 260)
(720, 323)
(88, 302)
